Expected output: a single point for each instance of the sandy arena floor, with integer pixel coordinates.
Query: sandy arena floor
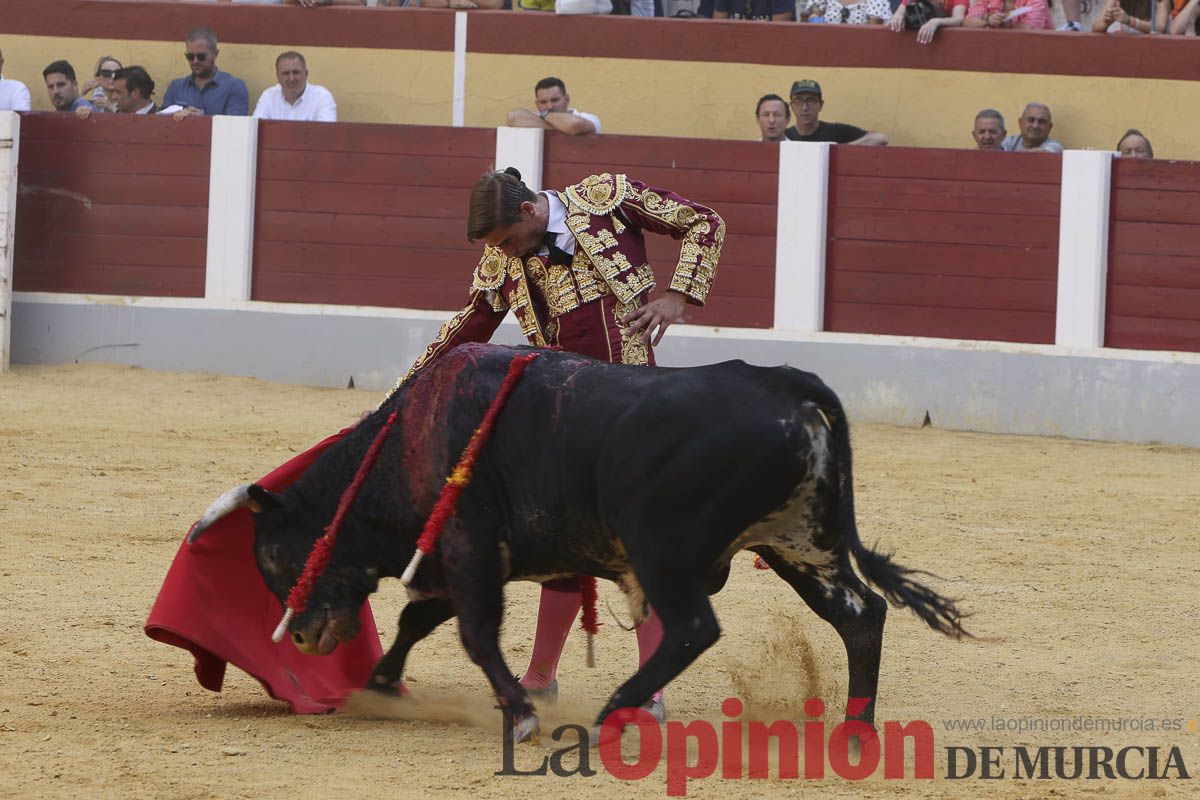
(1079, 561)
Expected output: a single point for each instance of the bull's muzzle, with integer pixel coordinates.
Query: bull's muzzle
(322, 635)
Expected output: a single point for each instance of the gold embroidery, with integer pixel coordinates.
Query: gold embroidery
(490, 272)
(597, 194)
(633, 351)
(521, 303)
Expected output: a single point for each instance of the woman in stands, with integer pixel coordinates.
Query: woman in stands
(1133, 16)
(100, 85)
(927, 16)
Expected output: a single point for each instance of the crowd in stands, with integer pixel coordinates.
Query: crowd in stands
(774, 114)
(205, 90)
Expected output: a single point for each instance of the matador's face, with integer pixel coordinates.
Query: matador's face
(522, 237)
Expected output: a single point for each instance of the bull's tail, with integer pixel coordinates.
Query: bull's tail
(896, 581)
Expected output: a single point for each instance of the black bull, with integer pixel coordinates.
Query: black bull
(654, 478)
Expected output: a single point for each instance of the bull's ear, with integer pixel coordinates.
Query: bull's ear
(262, 499)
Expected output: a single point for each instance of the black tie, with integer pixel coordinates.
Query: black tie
(558, 256)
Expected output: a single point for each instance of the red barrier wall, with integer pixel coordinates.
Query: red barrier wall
(1153, 263)
(117, 205)
(956, 244)
(737, 179)
(357, 214)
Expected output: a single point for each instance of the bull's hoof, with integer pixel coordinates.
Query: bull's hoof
(387, 687)
(527, 729)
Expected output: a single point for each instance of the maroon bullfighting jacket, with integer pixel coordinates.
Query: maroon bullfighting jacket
(607, 215)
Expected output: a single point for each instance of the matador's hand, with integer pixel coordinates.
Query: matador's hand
(653, 319)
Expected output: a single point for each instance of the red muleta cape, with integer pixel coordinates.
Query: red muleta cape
(215, 604)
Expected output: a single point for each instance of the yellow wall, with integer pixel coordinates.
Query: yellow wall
(923, 108)
(399, 86)
(668, 98)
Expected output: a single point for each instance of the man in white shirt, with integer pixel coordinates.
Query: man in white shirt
(554, 111)
(14, 95)
(294, 97)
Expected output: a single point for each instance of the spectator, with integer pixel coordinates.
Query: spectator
(1133, 16)
(773, 114)
(807, 102)
(1035, 124)
(207, 90)
(554, 111)
(1033, 15)
(63, 87)
(989, 131)
(1187, 18)
(132, 91)
(467, 4)
(1134, 144)
(926, 17)
(1073, 11)
(294, 97)
(100, 85)
(14, 95)
(773, 10)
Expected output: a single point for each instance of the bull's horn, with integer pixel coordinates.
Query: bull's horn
(235, 498)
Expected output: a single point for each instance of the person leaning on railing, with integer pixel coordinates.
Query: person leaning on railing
(1133, 16)
(927, 16)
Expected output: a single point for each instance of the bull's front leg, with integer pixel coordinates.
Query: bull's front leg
(471, 562)
(418, 619)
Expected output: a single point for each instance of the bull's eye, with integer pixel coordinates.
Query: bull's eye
(271, 559)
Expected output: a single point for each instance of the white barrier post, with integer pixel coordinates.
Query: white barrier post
(522, 148)
(1083, 248)
(458, 101)
(232, 174)
(801, 232)
(10, 141)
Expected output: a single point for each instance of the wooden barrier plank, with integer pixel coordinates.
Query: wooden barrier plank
(130, 130)
(1150, 238)
(606, 151)
(161, 280)
(377, 139)
(933, 258)
(1136, 333)
(707, 187)
(1154, 205)
(987, 324)
(111, 158)
(1020, 230)
(370, 229)
(108, 249)
(90, 189)
(1136, 269)
(947, 194)
(1158, 175)
(936, 293)
(47, 214)
(1155, 302)
(344, 198)
(962, 165)
(371, 168)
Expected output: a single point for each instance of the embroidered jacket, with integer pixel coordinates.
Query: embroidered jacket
(606, 214)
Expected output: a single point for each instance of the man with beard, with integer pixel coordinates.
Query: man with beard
(63, 88)
(206, 90)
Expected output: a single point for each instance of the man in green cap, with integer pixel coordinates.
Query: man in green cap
(806, 103)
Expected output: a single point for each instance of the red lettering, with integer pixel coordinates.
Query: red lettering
(678, 769)
(649, 744)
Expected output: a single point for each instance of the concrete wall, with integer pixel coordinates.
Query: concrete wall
(10, 134)
(1102, 394)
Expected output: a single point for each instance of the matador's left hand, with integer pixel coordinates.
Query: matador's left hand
(654, 318)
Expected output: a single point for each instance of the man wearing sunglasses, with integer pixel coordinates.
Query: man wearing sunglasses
(206, 90)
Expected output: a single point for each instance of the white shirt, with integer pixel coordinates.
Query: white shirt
(592, 118)
(14, 95)
(316, 104)
(557, 224)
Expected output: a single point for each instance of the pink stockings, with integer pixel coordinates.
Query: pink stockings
(557, 613)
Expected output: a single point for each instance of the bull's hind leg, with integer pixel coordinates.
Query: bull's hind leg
(855, 612)
(689, 628)
(418, 619)
(471, 562)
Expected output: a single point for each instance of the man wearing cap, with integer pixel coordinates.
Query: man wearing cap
(806, 105)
